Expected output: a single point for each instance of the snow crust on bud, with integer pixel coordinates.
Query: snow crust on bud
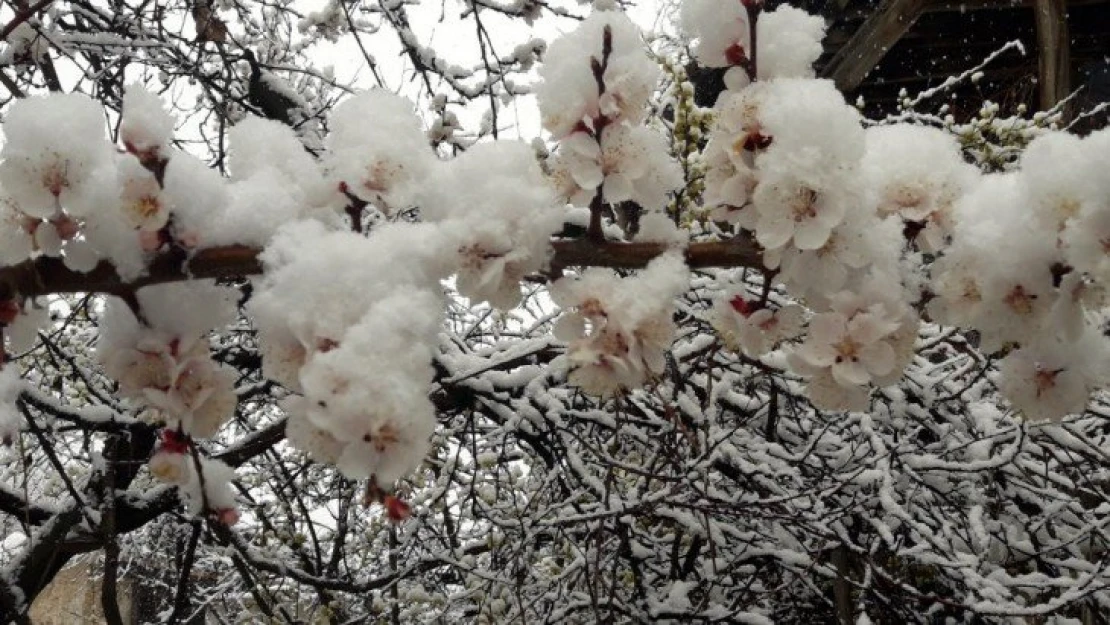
(619, 330)
(145, 127)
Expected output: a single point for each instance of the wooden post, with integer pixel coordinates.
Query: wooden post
(1053, 51)
(851, 64)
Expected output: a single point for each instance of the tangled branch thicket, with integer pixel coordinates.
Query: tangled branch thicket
(717, 492)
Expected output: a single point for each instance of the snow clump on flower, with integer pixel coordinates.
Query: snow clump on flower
(163, 362)
(377, 150)
(494, 199)
(789, 39)
(918, 173)
(363, 362)
(568, 94)
(145, 127)
(52, 147)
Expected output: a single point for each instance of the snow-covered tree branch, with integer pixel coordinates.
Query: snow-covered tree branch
(284, 344)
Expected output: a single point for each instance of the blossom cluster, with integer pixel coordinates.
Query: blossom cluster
(864, 225)
(864, 229)
(596, 82)
(619, 330)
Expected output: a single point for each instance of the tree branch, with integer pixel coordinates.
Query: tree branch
(44, 275)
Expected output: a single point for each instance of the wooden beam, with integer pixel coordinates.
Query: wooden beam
(963, 6)
(1053, 51)
(878, 33)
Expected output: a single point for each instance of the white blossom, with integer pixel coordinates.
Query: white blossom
(619, 330)
(53, 145)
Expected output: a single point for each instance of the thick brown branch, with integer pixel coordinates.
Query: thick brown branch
(44, 275)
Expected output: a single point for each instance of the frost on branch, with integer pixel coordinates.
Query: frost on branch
(11, 385)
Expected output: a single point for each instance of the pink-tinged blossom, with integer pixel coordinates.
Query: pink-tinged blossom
(860, 341)
(627, 163)
(302, 434)
(1049, 380)
(619, 330)
(140, 197)
(170, 467)
(200, 395)
(1062, 174)
(754, 330)
(163, 363)
(16, 233)
(729, 156)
